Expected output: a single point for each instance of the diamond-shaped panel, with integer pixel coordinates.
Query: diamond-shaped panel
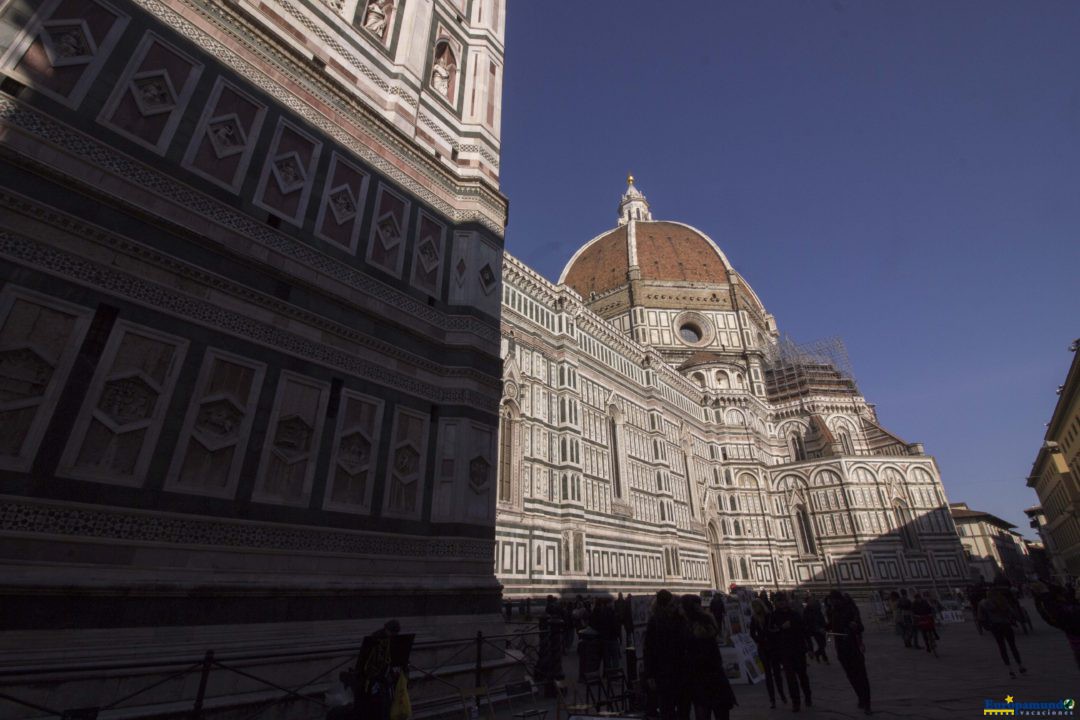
(406, 461)
(479, 472)
(227, 136)
(487, 278)
(23, 374)
(342, 204)
(153, 92)
(127, 400)
(429, 254)
(389, 231)
(67, 42)
(288, 172)
(219, 418)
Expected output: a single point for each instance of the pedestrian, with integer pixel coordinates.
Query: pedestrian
(767, 652)
(997, 615)
(907, 621)
(763, 596)
(845, 623)
(976, 593)
(665, 658)
(786, 626)
(718, 609)
(606, 625)
(626, 619)
(710, 692)
(1059, 610)
(814, 619)
(923, 613)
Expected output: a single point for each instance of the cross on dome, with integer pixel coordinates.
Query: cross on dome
(633, 205)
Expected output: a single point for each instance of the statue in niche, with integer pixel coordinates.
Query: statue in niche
(378, 15)
(443, 70)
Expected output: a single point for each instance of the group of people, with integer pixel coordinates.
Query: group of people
(915, 616)
(787, 633)
(683, 668)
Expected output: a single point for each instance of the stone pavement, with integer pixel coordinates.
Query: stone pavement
(908, 683)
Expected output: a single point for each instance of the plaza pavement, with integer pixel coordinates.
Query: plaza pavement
(909, 683)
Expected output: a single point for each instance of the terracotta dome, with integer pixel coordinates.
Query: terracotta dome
(666, 252)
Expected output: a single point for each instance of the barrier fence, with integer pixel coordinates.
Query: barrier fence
(516, 652)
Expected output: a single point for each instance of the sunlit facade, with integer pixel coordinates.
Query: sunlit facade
(657, 431)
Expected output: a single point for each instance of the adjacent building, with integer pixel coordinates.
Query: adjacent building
(249, 329)
(1048, 563)
(657, 430)
(1056, 474)
(992, 547)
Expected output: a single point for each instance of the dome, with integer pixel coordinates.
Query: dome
(667, 252)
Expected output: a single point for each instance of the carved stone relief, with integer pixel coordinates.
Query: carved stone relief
(377, 17)
(356, 443)
(292, 441)
(222, 144)
(117, 428)
(428, 255)
(39, 338)
(63, 46)
(216, 429)
(286, 177)
(406, 467)
(386, 248)
(342, 204)
(152, 93)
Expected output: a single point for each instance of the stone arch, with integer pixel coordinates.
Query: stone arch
(735, 416)
(723, 380)
(748, 480)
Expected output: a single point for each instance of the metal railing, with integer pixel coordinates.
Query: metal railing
(516, 652)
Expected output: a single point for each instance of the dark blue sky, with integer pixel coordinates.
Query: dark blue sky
(903, 174)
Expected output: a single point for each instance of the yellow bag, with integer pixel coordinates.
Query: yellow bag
(401, 708)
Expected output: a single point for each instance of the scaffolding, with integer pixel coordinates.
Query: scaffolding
(820, 367)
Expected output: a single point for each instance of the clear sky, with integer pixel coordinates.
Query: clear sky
(903, 174)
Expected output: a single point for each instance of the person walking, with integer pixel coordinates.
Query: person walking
(665, 658)
(976, 593)
(906, 620)
(1059, 610)
(786, 626)
(997, 615)
(767, 653)
(709, 689)
(845, 623)
(814, 619)
(923, 613)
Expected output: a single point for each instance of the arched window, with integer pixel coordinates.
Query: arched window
(507, 465)
(804, 531)
(698, 379)
(613, 439)
(738, 528)
(727, 476)
(740, 381)
(731, 504)
(722, 380)
(906, 522)
(845, 443)
(659, 480)
(798, 450)
(735, 417)
(743, 568)
(731, 567)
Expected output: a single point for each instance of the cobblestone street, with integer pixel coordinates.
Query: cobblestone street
(909, 683)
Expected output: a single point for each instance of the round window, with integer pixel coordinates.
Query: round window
(690, 333)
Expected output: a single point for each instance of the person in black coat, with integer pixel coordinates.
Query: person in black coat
(710, 692)
(789, 633)
(767, 653)
(665, 671)
(846, 625)
(814, 619)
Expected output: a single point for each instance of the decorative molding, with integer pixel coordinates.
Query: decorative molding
(89, 150)
(493, 218)
(29, 252)
(70, 520)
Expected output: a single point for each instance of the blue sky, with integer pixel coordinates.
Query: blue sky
(903, 174)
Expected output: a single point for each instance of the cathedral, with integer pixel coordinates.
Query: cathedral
(657, 430)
